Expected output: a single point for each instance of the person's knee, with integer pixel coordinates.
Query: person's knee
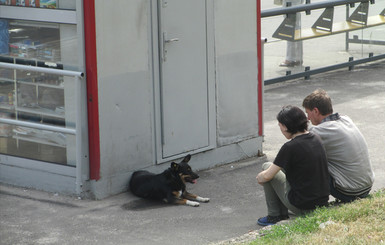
(266, 165)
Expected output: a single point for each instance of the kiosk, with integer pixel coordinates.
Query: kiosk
(113, 87)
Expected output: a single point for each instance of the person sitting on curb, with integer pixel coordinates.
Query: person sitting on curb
(298, 179)
(351, 174)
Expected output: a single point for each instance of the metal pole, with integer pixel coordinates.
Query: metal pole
(38, 126)
(347, 33)
(42, 69)
(79, 150)
(307, 7)
(324, 69)
(263, 41)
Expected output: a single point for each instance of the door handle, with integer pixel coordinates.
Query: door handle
(167, 41)
(171, 40)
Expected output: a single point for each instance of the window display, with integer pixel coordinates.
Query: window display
(34, 96)
(52, 4)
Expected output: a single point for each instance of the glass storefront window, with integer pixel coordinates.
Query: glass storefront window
(38, 98)
(34, 96)
(40, 41)
(52, 4)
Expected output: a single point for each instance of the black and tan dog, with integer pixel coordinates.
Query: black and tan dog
(169, 186)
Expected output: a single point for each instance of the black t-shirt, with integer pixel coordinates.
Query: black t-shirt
(304, 162)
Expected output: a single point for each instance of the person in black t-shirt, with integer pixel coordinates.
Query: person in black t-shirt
(298, 179)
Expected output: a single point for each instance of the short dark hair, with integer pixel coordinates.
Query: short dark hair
(319, 99)
(293, 118)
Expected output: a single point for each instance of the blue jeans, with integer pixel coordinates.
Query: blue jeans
(340, 196)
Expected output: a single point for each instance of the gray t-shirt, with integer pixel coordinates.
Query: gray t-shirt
(347, 154)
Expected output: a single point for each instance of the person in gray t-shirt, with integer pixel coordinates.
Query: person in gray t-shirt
(351, 174)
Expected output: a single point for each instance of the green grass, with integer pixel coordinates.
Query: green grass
(359, 222)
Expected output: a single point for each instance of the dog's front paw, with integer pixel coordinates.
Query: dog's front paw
(203, 199)
(192, 203)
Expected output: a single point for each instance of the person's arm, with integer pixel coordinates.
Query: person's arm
(268, 174)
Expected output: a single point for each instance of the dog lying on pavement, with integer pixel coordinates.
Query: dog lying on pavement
(169, 186)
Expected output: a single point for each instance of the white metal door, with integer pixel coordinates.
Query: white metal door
(184, 76)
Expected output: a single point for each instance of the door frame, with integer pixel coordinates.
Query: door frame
(157, 117)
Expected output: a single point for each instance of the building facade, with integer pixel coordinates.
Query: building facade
(93, 90)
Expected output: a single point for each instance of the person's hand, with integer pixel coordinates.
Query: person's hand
(260, 178)
(268, 174)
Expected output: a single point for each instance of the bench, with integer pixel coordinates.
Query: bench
(324, 25)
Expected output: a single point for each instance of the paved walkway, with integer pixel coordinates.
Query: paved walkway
(34, 217)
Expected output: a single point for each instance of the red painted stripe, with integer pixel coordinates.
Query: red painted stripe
(260, 82)
(92, 88)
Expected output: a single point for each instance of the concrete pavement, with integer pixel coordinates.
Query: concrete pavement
(35, 217)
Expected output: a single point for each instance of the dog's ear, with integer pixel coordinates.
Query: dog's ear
(175, 166)
(186, 158)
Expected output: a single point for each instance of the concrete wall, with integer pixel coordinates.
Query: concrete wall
(126, 89)
(236, 70)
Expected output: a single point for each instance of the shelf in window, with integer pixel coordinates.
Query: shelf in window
(41, 111)
(39, 136)
(60, 86)
(7, 106)
(37, 140)
(6, 80)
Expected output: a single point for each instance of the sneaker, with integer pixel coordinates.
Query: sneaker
(271, 220)
(288, 63)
